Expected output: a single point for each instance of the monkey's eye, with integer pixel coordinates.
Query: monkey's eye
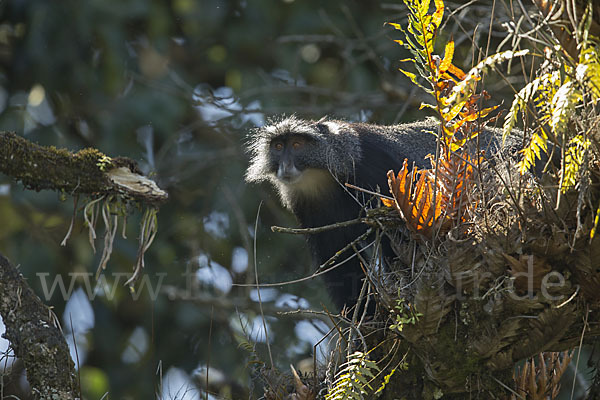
(296, 145)
(278, 146)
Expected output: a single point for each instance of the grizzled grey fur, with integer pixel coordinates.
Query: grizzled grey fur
(337, 149)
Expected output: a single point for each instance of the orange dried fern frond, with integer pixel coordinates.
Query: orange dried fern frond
(455, 181)
(428, 202)
(413, 202)
(436, 199)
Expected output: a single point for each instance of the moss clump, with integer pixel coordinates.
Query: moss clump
(39, 167)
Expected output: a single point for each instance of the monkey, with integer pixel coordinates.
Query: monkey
(309, 162)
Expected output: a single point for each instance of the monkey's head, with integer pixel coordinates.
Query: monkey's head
(303, 159)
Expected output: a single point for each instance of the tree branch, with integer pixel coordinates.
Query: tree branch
(87, 172)
(35, 338)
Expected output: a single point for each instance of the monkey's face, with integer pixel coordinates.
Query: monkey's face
(288, 155)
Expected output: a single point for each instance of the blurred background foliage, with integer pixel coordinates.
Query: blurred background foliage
(177, 85)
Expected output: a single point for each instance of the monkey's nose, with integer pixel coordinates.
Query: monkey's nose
(287, 173)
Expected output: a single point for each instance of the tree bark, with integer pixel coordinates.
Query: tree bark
(36, 338)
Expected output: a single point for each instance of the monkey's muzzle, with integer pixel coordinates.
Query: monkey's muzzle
(288, 173)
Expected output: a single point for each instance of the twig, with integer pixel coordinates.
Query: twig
(68, 235)
(347, 247)
(585, 323)
(351, 186)
(76, 353)
(210, 327)
(319, 229)
(321, 270)
(262, 314)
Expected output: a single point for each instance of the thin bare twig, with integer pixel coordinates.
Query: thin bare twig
(319, 229)
(262, 314)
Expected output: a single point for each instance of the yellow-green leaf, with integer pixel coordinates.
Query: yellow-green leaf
(448, 55)
(519, 102)
(413, 77)
(596, 220)
(537, 144)
(439, 12)
(449, 113)
(395, 25)
(574, 158)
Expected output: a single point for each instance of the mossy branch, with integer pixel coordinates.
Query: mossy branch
(34, 334)
(109, 182)
(87, 172)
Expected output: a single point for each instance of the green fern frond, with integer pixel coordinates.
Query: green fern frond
(547, 90)
(519, 102)
(422, 25)
(563, 106)
(588, 70)
(575, 155)
(534, 150)
(409, 44)
(353, 379)
(419, 36)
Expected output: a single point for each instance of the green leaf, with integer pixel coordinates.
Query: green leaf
(423, 7)
(449, 113)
